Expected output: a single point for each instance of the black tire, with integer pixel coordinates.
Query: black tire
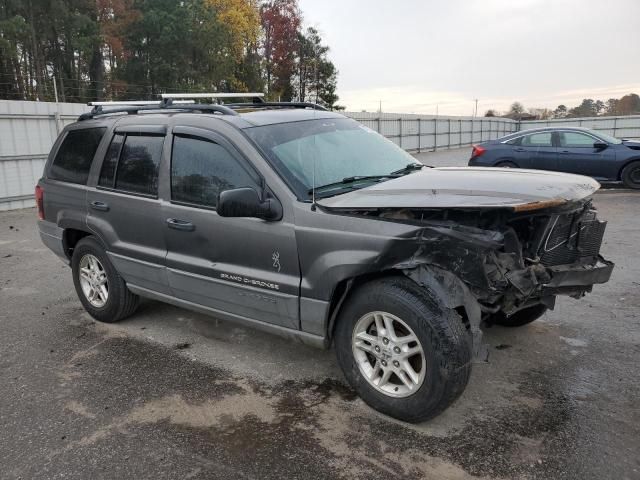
(520, 318)
(120, 302)
(631, 175)
(506, 164)
(444, 338)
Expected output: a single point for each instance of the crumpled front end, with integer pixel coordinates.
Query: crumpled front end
(498, 260)
(529, 259)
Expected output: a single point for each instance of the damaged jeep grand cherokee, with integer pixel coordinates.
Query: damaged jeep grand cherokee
(307, 224)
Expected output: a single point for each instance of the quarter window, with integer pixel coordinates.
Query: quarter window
(108, 173)
(576, 140)
(201, 169)
(73, 160)
(537, 140)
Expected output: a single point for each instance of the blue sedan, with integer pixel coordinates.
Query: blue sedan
(564, 149)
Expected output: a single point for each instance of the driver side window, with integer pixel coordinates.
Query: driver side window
(576, 140)
(201, 169)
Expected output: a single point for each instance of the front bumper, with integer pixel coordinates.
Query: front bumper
(538, 281)
(579, 276)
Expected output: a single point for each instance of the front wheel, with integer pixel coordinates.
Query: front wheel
(631, 175)
(404, 353)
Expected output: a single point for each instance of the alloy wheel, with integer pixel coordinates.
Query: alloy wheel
(389, 354)
(93, 281)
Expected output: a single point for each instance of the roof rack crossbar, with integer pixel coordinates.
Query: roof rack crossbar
(165, 105)
(313, 106)
(135, 102)
(213, 95)
(254, 96)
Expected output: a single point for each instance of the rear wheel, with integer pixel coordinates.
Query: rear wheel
(506, 165)
(404, 353)
(631, 175)
(102, 291)
(519, 318)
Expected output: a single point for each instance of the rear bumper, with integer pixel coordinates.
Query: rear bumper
(52, 236)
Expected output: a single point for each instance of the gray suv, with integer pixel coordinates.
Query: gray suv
(304, 223)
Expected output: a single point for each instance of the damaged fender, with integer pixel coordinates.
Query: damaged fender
(454, 294)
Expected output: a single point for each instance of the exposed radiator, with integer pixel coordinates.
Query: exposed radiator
(573, 238)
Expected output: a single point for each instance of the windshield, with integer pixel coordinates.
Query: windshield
(608, 138)
(339, 147)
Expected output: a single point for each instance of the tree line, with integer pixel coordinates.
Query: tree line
(626, 105)
(137, 49)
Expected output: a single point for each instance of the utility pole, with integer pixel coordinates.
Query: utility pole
(476, 110)
(57, 113)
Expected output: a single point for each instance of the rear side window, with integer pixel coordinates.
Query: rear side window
(537, 140)
(201, 169)
(131, 164)
(73, 160)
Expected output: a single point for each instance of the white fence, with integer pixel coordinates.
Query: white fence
(28, 130)
(427, 133)
(620, 127)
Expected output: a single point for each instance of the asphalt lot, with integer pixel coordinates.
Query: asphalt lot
(173, 394)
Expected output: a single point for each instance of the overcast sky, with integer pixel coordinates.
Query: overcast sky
(414, 54)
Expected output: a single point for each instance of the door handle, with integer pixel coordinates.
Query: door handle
(180, 225)
(564, 151)
(519, 150)
(103, 207)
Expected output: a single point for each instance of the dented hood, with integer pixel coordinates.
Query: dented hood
(450, 187)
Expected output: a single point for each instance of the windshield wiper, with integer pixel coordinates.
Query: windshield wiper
(350, 180)
(408, 169)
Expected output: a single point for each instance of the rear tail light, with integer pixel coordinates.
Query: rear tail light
(40, 201)
(477, 151)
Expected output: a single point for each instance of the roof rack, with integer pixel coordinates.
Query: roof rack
(133, 107)
(257, 97)
(186, 102)
(313, 106)
(134, 102)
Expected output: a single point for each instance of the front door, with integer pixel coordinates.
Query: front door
(243, 267)
(577, 155)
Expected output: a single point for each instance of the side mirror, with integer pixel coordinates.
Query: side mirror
(600, 145)
(245, 202)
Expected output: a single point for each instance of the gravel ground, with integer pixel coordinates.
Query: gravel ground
(173, 394)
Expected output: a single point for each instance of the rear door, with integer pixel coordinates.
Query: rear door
(66, 177)
(577, 155)
(245, 267)
(540, 151)
(123, 205)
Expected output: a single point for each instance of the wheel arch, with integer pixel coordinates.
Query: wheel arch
(447, 288)
(505, 160)
(341, 292)
(72, 235)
